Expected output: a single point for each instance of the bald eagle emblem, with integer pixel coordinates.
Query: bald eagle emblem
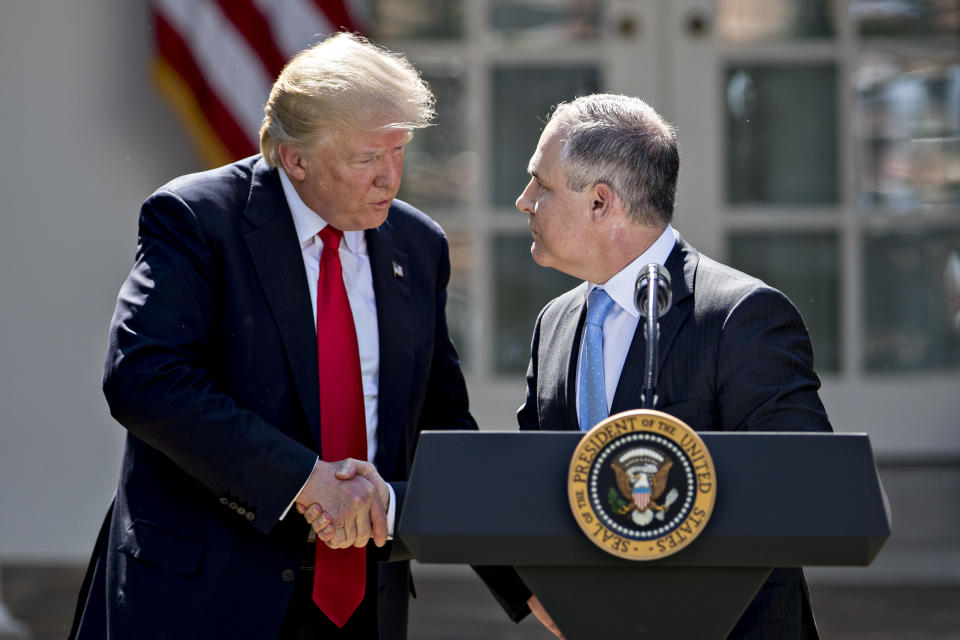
(641, 474)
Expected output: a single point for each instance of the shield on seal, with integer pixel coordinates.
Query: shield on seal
(641, 496)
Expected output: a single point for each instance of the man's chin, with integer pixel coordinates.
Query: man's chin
(369, 219)
(538, 255)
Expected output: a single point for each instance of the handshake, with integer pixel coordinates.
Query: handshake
(346, 503)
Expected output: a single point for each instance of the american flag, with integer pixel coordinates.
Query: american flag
(217, 59)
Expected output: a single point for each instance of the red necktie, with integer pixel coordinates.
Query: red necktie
(339, 574)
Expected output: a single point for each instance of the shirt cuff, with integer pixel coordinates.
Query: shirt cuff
(391, 512)
(287, 510)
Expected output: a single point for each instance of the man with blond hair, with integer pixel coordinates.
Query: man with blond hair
(276, 350)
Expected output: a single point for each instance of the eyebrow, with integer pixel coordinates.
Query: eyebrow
(539, 178)
(375, 150)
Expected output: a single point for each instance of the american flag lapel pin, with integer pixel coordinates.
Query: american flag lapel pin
(397, 270)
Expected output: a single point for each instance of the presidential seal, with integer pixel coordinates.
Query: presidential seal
(641, 484)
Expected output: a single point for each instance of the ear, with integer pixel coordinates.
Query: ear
(603, 201)
(292, 161)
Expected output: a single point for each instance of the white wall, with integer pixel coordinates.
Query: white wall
(84, 138)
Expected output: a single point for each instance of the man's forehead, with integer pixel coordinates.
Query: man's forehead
(370, 139)
(534, 162)
(536, 167)
(546, 154)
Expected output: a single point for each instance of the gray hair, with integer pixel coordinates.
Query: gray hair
(622, 142)
(344, 82)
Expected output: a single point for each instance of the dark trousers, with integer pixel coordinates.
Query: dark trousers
(304, 621)
(780, 611)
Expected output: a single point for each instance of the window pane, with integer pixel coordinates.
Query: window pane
(522, 99)
(545, 21)
(906, 18)
(912, 306)
(395, 19)
(909, 138)
(781, 134)
(760, 20)
(521, 289)
(458, 292)
(438, 171)
(805, 267)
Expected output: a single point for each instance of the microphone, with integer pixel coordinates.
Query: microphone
(657, 275)
(653, 297)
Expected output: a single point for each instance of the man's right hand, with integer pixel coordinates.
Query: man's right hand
(346, 503)
(541, 613)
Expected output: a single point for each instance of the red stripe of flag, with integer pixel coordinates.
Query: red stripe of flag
(177, 54)
(255, 29)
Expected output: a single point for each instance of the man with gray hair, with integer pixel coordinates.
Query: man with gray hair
(276, 350)
(734, 352)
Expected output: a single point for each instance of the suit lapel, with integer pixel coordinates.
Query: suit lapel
(682, 265)
(395, 319)
(275, 252)
(568, 335)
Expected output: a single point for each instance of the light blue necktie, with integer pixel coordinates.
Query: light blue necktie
(593, 391)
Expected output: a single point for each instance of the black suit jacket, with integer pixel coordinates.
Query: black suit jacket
(212, 368)
(734, 355)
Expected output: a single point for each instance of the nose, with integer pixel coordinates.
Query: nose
(391, 172)
(524, 201)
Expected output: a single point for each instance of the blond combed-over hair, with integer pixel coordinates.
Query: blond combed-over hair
(340, 84)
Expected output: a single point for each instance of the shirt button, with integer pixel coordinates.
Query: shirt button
(288, 575)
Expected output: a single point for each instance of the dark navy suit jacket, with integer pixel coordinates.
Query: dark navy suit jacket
(734, 355)
(212, 369)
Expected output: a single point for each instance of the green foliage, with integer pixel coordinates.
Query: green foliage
(616, 501)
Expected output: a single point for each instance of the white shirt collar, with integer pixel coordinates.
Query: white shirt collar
(309, 223)
(621, 286)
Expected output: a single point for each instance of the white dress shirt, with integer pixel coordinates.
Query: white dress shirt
(622, 319)
(358, 280)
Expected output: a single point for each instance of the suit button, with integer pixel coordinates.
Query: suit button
(233, 505)
(251, 516)
(288, 575)
(224, 501)
(241, 511)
